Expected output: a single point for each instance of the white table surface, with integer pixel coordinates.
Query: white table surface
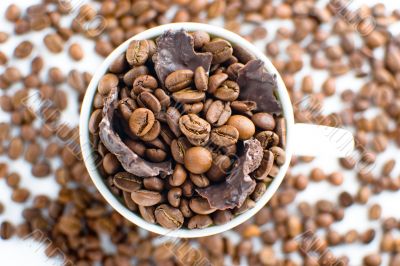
(17, 252)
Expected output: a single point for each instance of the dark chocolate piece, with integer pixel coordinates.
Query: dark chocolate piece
(256, 84)
(175, 51)
(130, 161)
(238, 185)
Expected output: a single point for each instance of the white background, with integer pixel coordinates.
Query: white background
(19, 252)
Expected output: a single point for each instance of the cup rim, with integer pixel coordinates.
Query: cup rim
(87, 150)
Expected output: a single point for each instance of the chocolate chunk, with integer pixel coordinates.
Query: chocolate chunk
(129, 160)
(257, 85)
(238, 185)
(175, 51)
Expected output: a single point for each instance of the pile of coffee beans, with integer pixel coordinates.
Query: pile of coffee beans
(331, 38)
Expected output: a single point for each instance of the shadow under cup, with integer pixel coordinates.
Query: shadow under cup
(89, 155)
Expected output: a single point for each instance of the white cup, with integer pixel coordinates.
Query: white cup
(302, 139)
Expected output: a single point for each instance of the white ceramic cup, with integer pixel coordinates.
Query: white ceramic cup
(302, 139)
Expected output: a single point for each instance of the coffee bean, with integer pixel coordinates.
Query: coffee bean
(178, 149)
(248, 204)
(148, 213)
(15, 148)
(163, 98)
(228, 91)
(173, 118)
(33, 152)
(199, 222)
(127, 181)
(13, 13)
(222, 217)
(196, 129)
(194, 108)
(174, 197)
(134, 73)
(178, 176)
(197, 160)
(7, 230)
(76, 52)
(201, 206)
(200, 38)
(20, 195)
(224, 136)
(188, 95)
(149, 101)
(153, 133)
(23, 50)
(279, 155)
(221, 50)
(145, 81)
(156, 155)
(244, 126)
(126, 106)
(169, 217)
(106, 83)
(129, 202)
(141, 121)
(94, 121)
(264, 121)
(264, 169)
(199, 180)
(153, 183)
(138, 52)
(179, 80)
(233, 70)
(218, 113)
(136, 147)
(215, 81)
(146, 198)
(201, 79)
(111, 163)
(219, 168)
(54, 43)
(267, 139)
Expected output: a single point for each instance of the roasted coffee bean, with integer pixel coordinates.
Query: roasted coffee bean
(221, 50)
(94, 121)
(163, 98)
(106, 83)
(219, 168)
(200, 38)
(264, 121)
(197, 160)
(156, 155)
(126, 106)
(178, 149)
(54, 43)
(233, 70)
(188, 95)
(265, 167)
(111, 163)
(33, 152)
(279, 155)
(201, 79)
(185, 209)
(134, 73)
(201, 206)
(76, 52)
(7, 230)
(248, 204)
(146, 198)
(20, 195)
(244, 126)
(153, 133)
(280, 129)
(148, 213)
(136, 147)
(23, 50)
(228, 91)
(137, 52)
(149, 101)
(15, 148)
(224, 136)
(194, 108)
(127, 181)
(178, 177)
(218, 113)
(179, 80)
(215, 81)
(196, 129)
(222, 217)
(242, 54)
(169, 217)
(174, 197)
(259, 191)
(141, 121)
(267, 139)
(129, 202)
(153, 183)
(199, 180)
(199, 222)
(145, 81)
(173, 118)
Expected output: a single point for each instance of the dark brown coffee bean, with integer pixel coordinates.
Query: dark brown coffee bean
(111, 163)
(13, 180)
(200, 38)
(199, 180)
(138, 52)
(146, 198)
(134, 73)
(153, 133)
(54, 43)
(185, 209)
(264, 121)
(265, 167)
(199, 222)
(267, 139)
(20, 195)
(244, 126)
(149, 101)
(33, 152)
(129, 202)
(178, 176)
(215, 81)
(194, 108)
(248, 204)
(136, 147)
(126, 106)
(259, 191)
(146, 82)
(106, 83)
(197, 160)
(218, 113)
(163, 98)
(219, 168)
(127, 181)
(94, 121)
(196, 129)
(224, 136)
(141, 121)
(279, 155)
(178, 149)
(188, 95)
(174, 197)
(233, 70)
(153, 183)
(156, 155)
(201, 206)
(222, 217)
(201, 79)
(169, 217)
(147, 213)
(173, 118)
(7, 230)
(228, 91)
(179, 80)
(221, 50)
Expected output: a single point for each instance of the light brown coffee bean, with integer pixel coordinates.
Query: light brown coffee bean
(194, 108)
(153, 183)
(199, 222)
(201, 206)
(264, 121)
(20, 195)
(218, 113)
(248, 204)
(33, 152)
(196, 129)
(7, 230)
(23, 50)
(179, 80)
(201, 79)
(222, 217)
(153, 133)
(265, 167)
(199, 180)
(13, 180)
(41, 169)
(111, 164)
(224, 136)
(178, 176)
(134, 73)
(200, 38)
(149, 101)
(94, 121)
(13, 13)
(244, 126)
(215, 81)
(197, 160)
(163, 97)
(267, 139)
(221, 50)
(137, 52)
(279, 155)
(147, 213)
(259, 191)
(127, 181)
(146, 198)
(76, 52)
(228, 91)
(169, 217)
(54, 43)
(15, 148)
(188, 95)
(136, 147)
(145, 81)
(141, 121)
(106, 83)
(174, 196)
(129, 202)
(178, 149)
